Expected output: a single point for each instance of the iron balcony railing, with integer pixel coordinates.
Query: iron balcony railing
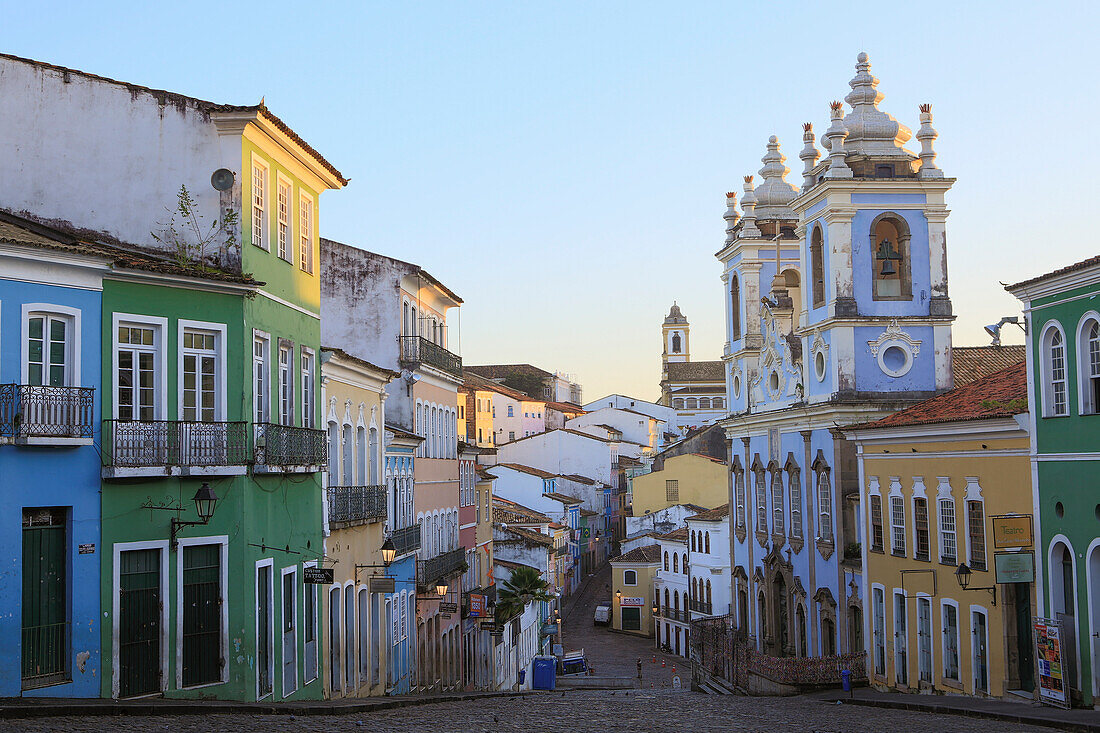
(417, 350)
(154, 443)
(356, 503)
(439, 567)
(673, 614)
(288, 445)
(701, 606)
(33, 411)
(561, 550)
(406, 539)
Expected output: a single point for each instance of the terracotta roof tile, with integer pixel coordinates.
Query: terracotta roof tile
(530, 536)
(510, 511)
(567, 407)
(563, 498)
(649, 553)
(696, 371)
(712, 515)
(676, 535)
(969, 363)
(513, 565)
(1082, 265)
(526, 469)
(1001, 394)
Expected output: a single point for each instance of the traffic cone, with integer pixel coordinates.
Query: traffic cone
(674, 669)
(662, 664)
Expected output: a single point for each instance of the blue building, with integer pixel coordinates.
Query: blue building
(50, 304)
(837, 312)
(404, 532)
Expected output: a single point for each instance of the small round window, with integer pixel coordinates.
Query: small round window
(895, 358)
(819, 365)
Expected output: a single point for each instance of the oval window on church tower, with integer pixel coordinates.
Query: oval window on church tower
(773, 383)
(736, 386)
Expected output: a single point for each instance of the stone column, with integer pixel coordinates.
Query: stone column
(839, 222)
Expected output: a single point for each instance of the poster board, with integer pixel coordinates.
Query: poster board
(1049, 663)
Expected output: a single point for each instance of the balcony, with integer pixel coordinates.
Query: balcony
(701, 607)
(289, 449)
(40, 415)
(440, 567)
(406, 539)
(674, 614)
(174, 448)
(356, 504)
(561, 550)
(419, 350)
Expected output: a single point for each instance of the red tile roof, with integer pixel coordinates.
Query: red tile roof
(696, 371)
(712, 515)
(649, 553)
(529, 535)
(969, 363)
(676, 535)
(526, 469)
(1082, 265)
(567, 407)
(563, 498)
(1001, 394)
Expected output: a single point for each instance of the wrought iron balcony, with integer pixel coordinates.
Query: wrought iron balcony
(356, 503)
(561, 550)
(439, 567)
(673, 614)
(406, 539)
(701, 606)
(41, 413)
(174, 443)
(288, 445)
(419, 350)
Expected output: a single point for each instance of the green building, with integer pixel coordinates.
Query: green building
(212, 456)
(1063, 363)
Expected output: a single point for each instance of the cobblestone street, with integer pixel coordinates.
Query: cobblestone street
(602, 711)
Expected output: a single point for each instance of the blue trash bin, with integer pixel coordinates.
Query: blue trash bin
(846, 679)
(543, 673)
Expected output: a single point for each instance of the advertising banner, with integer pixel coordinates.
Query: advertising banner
(477, 605)
(1048, 658)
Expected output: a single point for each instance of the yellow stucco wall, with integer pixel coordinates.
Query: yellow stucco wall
(992, 467)
(700, 480)
(643, 589)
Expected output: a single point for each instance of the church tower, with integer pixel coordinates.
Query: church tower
(675, 330)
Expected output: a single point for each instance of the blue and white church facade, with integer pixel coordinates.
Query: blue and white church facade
(837, 312)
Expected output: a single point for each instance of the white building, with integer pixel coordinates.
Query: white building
(709, 562)
(633, 426)
(663, 520)
(519, 641)
(564, 452)
(671, 592)
(623, 402)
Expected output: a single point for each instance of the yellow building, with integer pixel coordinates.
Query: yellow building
(355, 632)
(933, 477)
(632, 577)
(687, 479)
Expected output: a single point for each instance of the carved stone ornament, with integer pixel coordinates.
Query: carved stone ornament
(894, 350)
(825, 548)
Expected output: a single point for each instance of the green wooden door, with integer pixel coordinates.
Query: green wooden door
(202, 617)
(45, 642)
(139, 625)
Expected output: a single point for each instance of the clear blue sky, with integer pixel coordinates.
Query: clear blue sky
(563, 166)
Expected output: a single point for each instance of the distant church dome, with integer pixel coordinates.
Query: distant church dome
(674, 315)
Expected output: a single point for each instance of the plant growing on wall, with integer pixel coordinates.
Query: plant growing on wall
(186, 234)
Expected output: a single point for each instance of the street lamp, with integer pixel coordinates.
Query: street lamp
(205, 501)
(389, 551)
(441, 589)
(963, 574)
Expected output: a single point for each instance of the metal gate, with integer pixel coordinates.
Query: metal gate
(202, 617)
(139, 610)
(45, 642)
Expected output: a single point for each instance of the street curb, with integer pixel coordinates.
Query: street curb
(1068, 725)
(203, 707)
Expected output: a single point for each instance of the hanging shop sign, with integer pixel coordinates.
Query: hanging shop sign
(1049, 661)
(638, 602)
(1015, 567)
(1011, 531)
(382, 585)
(317, 576)
(448, 608)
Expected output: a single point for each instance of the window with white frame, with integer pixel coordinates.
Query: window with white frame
(1054, 373)
(286, 384)
(739, 495)
(137, 352)
(975, 525)
(824, 506)
(794, 481)
(761, 501)
(51, 343)
(1088, 369)
(309, 387)
(259, 204)
(305, 231)
(261, 376)
(897, 525)
(200, 375)
(630, 577)
(778, 516)
(282, 211)
(948, 544)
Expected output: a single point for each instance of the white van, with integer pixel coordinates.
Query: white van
(602, 616)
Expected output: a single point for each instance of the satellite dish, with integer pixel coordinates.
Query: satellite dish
(222, 179)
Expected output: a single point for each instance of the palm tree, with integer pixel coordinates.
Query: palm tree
(525, 585)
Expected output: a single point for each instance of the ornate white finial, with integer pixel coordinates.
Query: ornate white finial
(927, 135)
(809, 155)
(748, 203)
(870, 130)
(731, 216)
(774, 193)
(835, 136)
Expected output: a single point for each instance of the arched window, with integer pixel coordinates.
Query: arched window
(1054, 372)
(360, 456)
(694, 589)
(735, 308)
(824, 505)
(692, 403)
(778, 517)
(706, 542)
(373, 459)
(413, 322)
(708, 590)
(761, 500)
(794, 484)
(333, 453)
(406, 330)
(678, 403)
(676, 342)
(675, 563)
(693, 542)
(718, 403)
(1088, 368)
(739, 497)
(890, 258)
(676, 602)
(666, 599)
(684, 564)
(666, 559)
(704, 403)
(630, 577)
(817, 268)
